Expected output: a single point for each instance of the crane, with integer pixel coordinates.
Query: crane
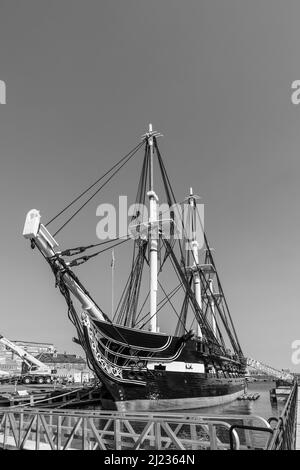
(37, 371)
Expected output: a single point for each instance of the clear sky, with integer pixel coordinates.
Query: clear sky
(84, 79)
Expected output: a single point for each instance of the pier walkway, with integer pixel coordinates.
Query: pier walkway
(57, 429)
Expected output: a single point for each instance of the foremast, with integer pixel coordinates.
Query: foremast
(153, 236)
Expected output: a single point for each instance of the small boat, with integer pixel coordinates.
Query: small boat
(253, 396)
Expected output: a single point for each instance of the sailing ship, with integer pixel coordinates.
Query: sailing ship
(141, 368)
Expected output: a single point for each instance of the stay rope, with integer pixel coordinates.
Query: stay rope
(118, 166)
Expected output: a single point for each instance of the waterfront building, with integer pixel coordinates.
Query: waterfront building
(11, 362)
(68, 366)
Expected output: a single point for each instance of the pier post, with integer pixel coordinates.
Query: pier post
(157, 432)
(193, 435)
(58, 440)
(249, 436)
(212, 437)
(21, 422)
(85, 444)
(37, 431)
(118, 439)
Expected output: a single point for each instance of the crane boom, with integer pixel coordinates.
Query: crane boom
(25, 356)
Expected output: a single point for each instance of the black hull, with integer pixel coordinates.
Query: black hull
(176, 374)
(174, 391)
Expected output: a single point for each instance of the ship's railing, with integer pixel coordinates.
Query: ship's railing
(284, 432)
(104, 430)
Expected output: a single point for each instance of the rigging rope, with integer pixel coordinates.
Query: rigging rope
(205, 282)
(136, 148)
(81, 249)
(83, 259)
(178, 316)
(161, 304)
(180, 269)
(98, 190)
(71, 309)
(170, 196)
(236, 341)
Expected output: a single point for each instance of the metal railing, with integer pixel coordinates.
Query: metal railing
(104, 430)
(284, 432)
(246, 428)
(56, 429)
(283, 435)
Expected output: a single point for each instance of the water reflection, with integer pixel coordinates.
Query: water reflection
(260, 407)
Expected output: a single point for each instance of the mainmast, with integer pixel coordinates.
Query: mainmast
(212, 306)
(195, 251)
(153, 234)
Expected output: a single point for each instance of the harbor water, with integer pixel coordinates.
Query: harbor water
(260, 407)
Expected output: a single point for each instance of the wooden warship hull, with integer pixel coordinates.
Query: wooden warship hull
(176, 392)
(171, 375)
(143, 370)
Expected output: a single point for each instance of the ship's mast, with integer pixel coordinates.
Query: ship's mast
(195, 252)
(153, 234)
(212, 306)
(112, 265)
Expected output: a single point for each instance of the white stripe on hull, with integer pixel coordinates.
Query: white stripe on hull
(176, 404)
(178, 366)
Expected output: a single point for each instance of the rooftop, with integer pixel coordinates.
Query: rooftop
(60, 358)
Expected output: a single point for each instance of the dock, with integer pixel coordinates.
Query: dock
(65, 429)
(50, 396)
